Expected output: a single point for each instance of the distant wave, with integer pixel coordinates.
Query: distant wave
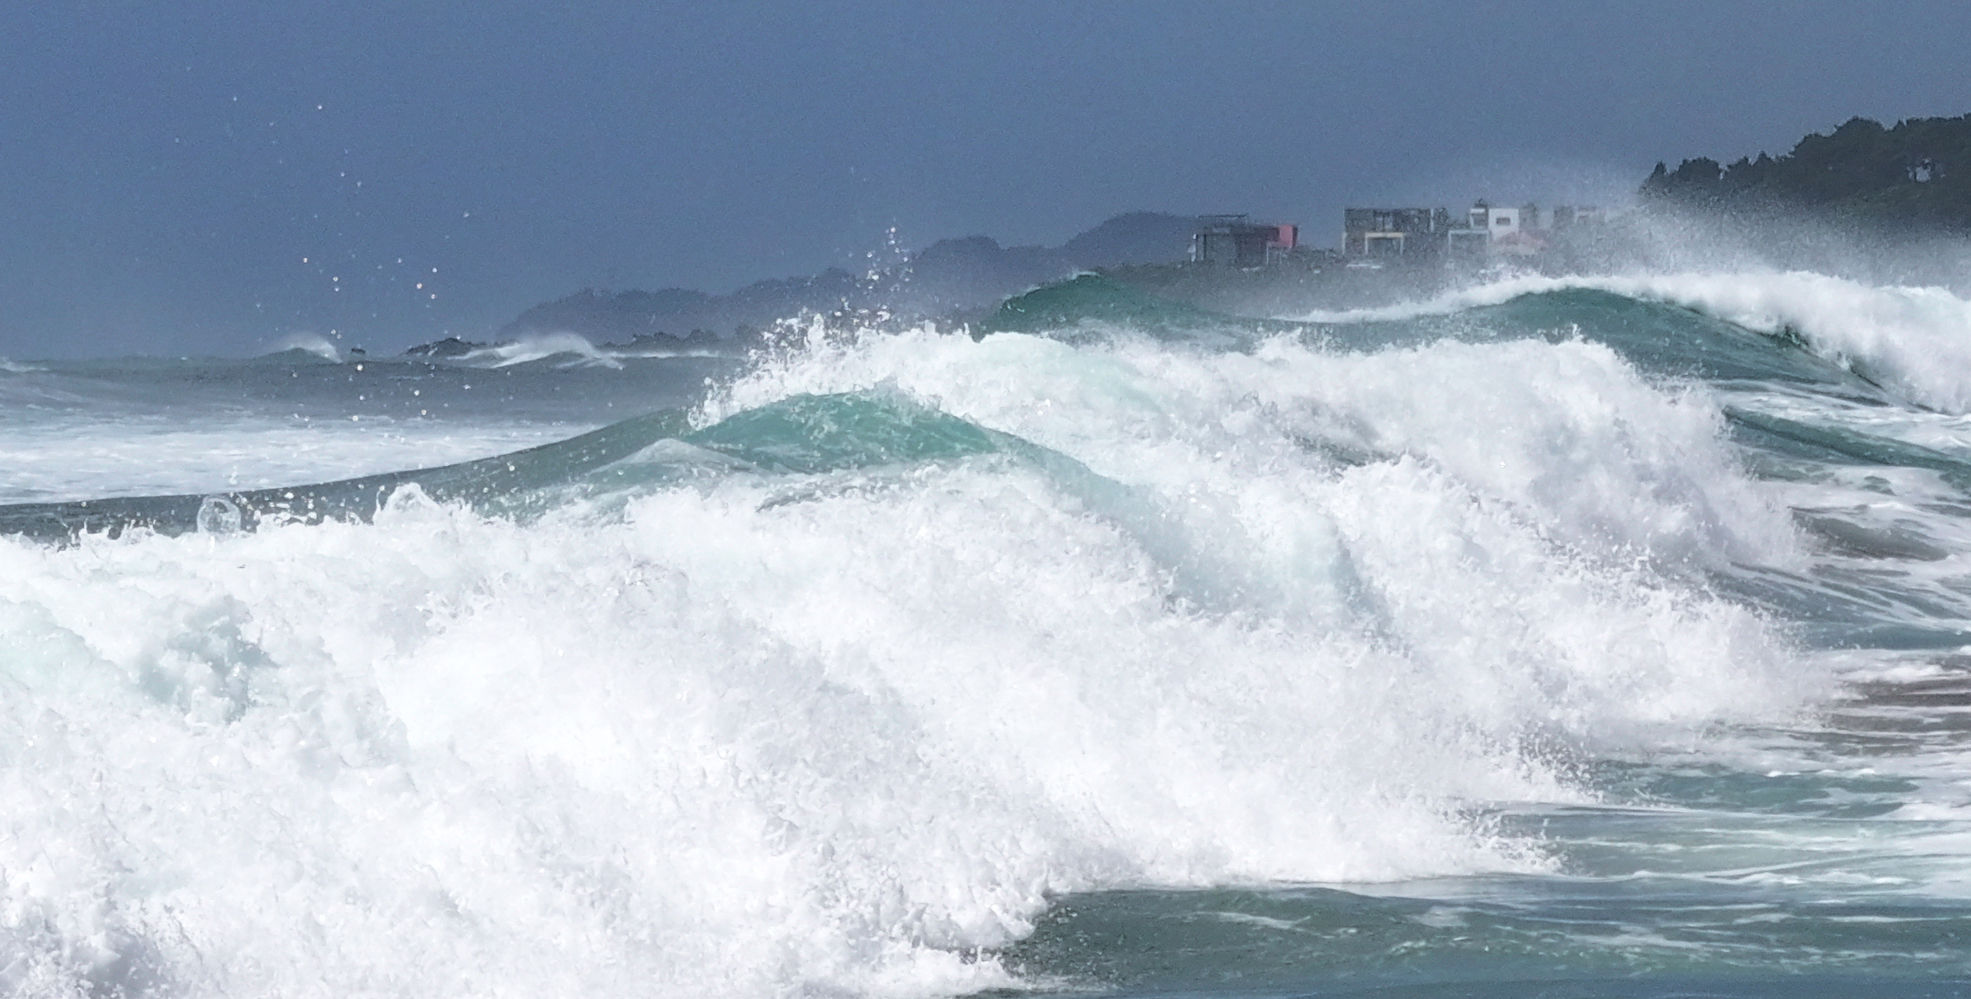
(17, 368)
(1916, 340)
(660, 354)
(312, 343)
(575, 348)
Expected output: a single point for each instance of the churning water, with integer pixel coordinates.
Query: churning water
(1560, 637)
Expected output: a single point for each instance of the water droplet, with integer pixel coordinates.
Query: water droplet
(218, 515)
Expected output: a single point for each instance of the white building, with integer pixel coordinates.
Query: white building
(1495, 222)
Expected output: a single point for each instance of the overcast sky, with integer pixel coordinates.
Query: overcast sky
(209, 177)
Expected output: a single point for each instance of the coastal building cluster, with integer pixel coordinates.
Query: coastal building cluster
(1486, 230)
(1376, 236)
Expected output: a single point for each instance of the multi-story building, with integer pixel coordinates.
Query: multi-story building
(1393, 232)
(1235, 241)
(1566, 217)
(1484, 231)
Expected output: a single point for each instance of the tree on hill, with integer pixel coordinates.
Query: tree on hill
(1915, 175)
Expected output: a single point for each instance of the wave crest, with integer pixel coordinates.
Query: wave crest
(1914, 340)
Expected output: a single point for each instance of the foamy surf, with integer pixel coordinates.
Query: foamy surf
(916, 664)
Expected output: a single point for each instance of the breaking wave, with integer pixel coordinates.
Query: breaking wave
(833, 682)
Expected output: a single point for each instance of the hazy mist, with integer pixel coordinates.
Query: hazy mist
(217, 178)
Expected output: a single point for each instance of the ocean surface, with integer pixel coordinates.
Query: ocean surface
(1556, 637)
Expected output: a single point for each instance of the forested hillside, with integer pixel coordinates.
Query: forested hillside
(1915, 175)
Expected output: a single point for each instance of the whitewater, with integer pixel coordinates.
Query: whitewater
(1558, 636)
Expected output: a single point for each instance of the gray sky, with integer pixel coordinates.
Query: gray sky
(204, 177)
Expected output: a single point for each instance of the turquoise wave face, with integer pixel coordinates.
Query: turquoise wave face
(800, 435)
(1092, 300)
(1655, 336)
(812, 434)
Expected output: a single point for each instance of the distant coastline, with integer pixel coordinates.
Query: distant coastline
(1861, 184)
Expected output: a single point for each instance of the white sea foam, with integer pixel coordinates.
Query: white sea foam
(1567, 433)
(1916, 340)
(17, 368)
(76, 458)
(760, 736)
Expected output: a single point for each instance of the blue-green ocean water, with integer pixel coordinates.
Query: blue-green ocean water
(1556, 638)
